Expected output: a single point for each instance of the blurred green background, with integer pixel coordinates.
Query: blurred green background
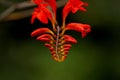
(95, 57)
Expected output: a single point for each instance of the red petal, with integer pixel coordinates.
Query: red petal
(66, 10)
(66, 52)
(42, 17)
(48, 45)
(51, 49)
(33, 18)
(74, 6)
(44, 39)
(53, 5)
(42, 13)
(53, 52)
(74, 10)
(66, 49)
(70, 39)
(83, 28)
(82, 9)
(67, 45)
(48, 13)
(44, 36)
(41, 31)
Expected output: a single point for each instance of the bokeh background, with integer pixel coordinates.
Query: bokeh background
(95, 57)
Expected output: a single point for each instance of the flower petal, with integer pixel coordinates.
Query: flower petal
(70, 39)
(40, 31)
(48, 45)
(83, 28)
(48, 13)
(53, 5)
(42, 13)
(45, 37)
(67, 45)
(73, 6)
(33, 18)
(66, 10)
(42, 17)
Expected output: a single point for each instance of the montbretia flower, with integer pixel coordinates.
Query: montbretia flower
(83, 28)
(73, 6)
(55, 39)
(52, 3)
(42, 13)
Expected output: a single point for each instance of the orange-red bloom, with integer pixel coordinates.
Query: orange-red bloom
(42, 13)
(56, 39)
(53, 5)
(73, 6)
(83, 28)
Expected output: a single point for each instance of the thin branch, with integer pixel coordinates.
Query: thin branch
(5, 2)
(18, 15)
(14, 7)
(9, 13)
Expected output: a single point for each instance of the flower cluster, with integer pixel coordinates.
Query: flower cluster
(56, 40)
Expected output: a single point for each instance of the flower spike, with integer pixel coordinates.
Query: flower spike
(56, 40)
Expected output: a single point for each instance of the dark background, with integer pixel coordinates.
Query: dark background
(95, 57)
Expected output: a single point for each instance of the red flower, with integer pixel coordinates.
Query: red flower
(42, 13)
(53, 5)
(83, 28)
(55, 39)
(73, 6)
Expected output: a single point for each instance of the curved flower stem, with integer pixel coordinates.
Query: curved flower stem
(63, 23)
(57, 40)
(53, 26)
(63, 31)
